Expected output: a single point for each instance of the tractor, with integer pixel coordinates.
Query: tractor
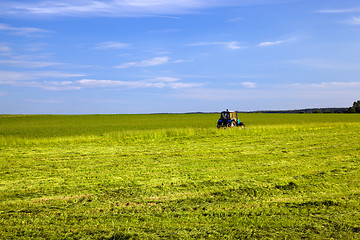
(229, 119)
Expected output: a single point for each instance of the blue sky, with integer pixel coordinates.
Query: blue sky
(150, 56)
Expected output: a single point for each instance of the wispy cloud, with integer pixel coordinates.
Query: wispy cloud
(35, 47)
(42, 100)
(328, 85)
(145, 63)
(236, 19)
(33, 79)
(326, 64)
(340, 10)
(246, 84)
(123, 8)
(29, 63)
(9, 77)
(315, 63)
(279, 42)
(353, 21)
(350, 21)
(160, 31)
(53, 85)
(249, 84)
(182, 60)
(21, 30)
(267, 44)
(4, 48)
(231, 45)
(112, 45)
(159, 82)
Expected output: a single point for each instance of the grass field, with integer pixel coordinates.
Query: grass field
(176, 176)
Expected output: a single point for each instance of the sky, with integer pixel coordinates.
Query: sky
(160, 56)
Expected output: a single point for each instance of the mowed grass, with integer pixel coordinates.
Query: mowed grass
(176, 176)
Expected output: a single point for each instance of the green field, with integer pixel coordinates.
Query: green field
(176, 176)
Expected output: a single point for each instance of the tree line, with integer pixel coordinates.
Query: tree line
(355, 107)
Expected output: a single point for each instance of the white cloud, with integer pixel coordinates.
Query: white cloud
(29, 64)
(329, 85)
(353, 21)
(8, 77)
(33, 79)
(326, 64)
(145, 63)
(231, 45)
(159, 82)
(160, 31)
(112, 45)
(169, 82)
(93, 83)
(43, 101)
(116, 8)
(35, 47)
(182, 61)
(54, 74)
(4, 48)
(236, 19)
(243, 84)
(315, 63)
(249, 84)
(165, 79)
(55, 86)
(279, 42)
(267, 44)
(340, 10)
(21, 30)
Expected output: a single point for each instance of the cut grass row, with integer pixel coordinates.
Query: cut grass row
(296, 180)
(38, 126)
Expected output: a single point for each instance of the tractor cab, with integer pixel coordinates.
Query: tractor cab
(229, 119)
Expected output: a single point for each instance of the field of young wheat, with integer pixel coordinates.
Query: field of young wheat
(286, 176)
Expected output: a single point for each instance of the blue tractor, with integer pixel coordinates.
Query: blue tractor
(229, 119)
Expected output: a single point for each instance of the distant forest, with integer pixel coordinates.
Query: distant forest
(307, 110)
(355, 108)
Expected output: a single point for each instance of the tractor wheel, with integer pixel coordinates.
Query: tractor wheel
(233, 124)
